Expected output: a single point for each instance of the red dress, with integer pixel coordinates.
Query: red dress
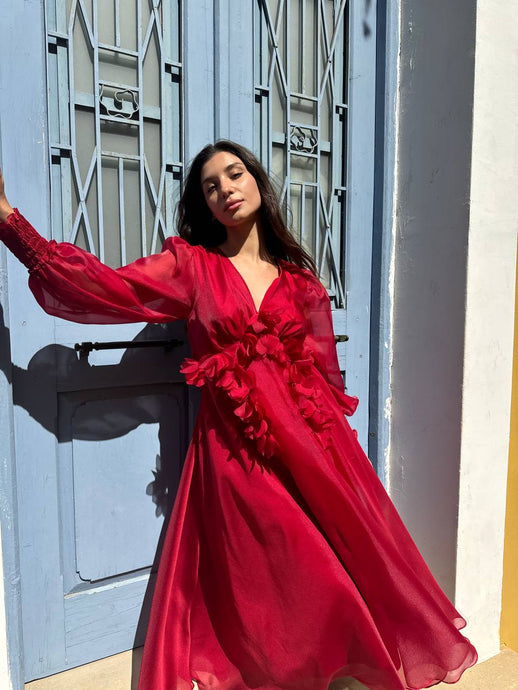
(286, 565)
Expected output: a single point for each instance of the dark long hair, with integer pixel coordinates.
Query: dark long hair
(195, 222)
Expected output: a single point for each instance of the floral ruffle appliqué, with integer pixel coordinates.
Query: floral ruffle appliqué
(266, 336)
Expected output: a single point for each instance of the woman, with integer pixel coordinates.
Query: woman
(285, 564)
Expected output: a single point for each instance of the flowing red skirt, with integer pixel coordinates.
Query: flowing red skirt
(293, 575)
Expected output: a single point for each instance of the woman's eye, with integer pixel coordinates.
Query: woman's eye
(236, 175)
(211, 189)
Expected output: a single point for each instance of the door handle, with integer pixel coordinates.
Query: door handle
(85, 348)
(341, 338)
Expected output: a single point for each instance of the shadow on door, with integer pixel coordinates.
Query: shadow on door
(122, 426)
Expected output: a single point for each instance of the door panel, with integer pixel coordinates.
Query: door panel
(120, 456)
(102, 625)
(92, 515)
(113, 530)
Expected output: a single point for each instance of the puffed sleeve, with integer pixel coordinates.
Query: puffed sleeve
(320, 341)
(71, 283)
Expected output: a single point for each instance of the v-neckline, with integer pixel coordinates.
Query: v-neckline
(245, 284)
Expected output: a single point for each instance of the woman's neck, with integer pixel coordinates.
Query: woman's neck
(246, 241)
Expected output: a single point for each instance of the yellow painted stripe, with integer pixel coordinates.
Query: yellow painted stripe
(509, 621)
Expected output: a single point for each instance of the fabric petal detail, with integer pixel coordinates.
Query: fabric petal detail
(266, 336)
(348, 403)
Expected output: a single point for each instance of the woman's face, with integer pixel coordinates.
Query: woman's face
(230, 191)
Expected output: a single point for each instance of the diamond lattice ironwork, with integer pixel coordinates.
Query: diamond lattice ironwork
(301, 123)
(115, 120)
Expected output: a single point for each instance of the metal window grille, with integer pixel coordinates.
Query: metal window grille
(115, 123)
(301, 122)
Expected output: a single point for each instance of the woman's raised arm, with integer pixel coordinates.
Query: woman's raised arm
(71, 283)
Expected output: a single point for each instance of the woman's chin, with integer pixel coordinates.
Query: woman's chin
(240, 220)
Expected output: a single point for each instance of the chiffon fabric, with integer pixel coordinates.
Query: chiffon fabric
(285, 564)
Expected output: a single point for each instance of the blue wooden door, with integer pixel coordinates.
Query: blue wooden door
(127, 93)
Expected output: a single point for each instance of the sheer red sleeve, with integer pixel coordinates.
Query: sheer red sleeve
(71, 283)
(321, 341)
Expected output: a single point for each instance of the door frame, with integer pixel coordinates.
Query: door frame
(25, 160)
(384, 230)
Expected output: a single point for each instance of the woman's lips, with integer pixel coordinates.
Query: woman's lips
(233, 206)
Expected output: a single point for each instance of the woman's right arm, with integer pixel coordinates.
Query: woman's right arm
(71, 283)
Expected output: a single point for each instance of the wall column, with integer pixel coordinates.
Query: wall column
(431, 224)
(488, 351)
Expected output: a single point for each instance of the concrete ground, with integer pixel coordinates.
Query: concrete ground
(120, 673)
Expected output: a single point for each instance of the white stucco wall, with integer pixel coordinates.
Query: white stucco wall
(489, 324)
(455, 233)
(431, 224)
